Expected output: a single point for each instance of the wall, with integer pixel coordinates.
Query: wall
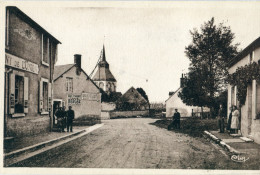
(80, 85)
(115, 114)
(108, 106)
(175, 102)
(247, 118)
(27, 48)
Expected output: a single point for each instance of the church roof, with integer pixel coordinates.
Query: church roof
(103, 73)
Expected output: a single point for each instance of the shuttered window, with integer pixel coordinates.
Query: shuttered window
(18, 96)
(45, 101)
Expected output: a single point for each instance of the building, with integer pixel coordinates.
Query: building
(250, 110)
(73, 87)
(132, 100)
(30, 55)
(103, 78)
(175, 102)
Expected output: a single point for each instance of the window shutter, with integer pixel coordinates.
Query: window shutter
(40, 97)
(26, 91)
(49, 97)
(12, 93)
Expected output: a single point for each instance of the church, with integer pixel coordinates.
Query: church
(103, 78)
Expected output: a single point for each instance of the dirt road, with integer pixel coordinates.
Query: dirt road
(134, 143)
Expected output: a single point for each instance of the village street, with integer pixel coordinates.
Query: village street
(135, 143)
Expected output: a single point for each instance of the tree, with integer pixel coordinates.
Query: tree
(209, 53)
(143, 93)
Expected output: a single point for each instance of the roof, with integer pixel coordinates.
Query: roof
(62, 69)
(128, 94)
(173, 94)
(30, 21)
(255, 44)
(103, 74)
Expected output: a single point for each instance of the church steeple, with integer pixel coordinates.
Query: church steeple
(103, 55)
(103, 77)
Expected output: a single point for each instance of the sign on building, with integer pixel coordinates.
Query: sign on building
(74, 99)
(90, 96)
(19, 63)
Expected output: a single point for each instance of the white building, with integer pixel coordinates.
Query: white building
(250, 111)
(175, 102)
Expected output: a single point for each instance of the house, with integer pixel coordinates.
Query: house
(73, 87)
(175, 102)
(246, 64)
(30, 55)
(103, 78)
(132, 100)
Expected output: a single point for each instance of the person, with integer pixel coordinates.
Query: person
(229, 119)
(60, 118)
(176, 120)
(70, 117)
(221, 121)
(235, 120)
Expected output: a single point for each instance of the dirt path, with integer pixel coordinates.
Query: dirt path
(134, 143)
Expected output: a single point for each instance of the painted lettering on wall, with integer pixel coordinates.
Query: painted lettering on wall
(90, 96)
(74, 99)
(19, 63)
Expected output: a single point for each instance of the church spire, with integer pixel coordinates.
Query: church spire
(104, 54)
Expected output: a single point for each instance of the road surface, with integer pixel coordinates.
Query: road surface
(134, 143)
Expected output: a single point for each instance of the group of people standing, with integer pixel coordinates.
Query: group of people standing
(65, 118)
(233, 120)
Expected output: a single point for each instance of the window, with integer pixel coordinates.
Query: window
(251, 57)
(18, 94)
(101, 85)
(45, 96)
(69, 84)
(45, 50)
(7, 28)
(258, 100)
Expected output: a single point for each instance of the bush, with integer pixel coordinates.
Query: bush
(191, 126)
(87, 120)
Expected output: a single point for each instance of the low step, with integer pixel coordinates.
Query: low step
(246, 139)
(235, 135)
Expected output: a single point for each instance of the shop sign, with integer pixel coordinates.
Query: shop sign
(19, 63)
(74, 99)
(90, 96)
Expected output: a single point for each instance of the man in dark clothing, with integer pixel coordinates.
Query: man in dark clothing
(61, 117)
(176, 120)
(70, 117)
(221, 121)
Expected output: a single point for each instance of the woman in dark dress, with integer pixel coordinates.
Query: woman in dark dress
(229, 120)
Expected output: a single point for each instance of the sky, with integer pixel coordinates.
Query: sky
(144, 42)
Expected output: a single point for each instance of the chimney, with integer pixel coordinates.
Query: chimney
(182, 80)
(77, 60)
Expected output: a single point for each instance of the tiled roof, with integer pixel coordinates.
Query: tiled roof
(61, 69)
(103, 74)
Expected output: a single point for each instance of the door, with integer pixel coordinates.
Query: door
(56, 105)
(249, 115)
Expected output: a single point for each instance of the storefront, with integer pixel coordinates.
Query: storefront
(30, 55)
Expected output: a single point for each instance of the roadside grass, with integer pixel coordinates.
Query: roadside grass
(192, 126)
